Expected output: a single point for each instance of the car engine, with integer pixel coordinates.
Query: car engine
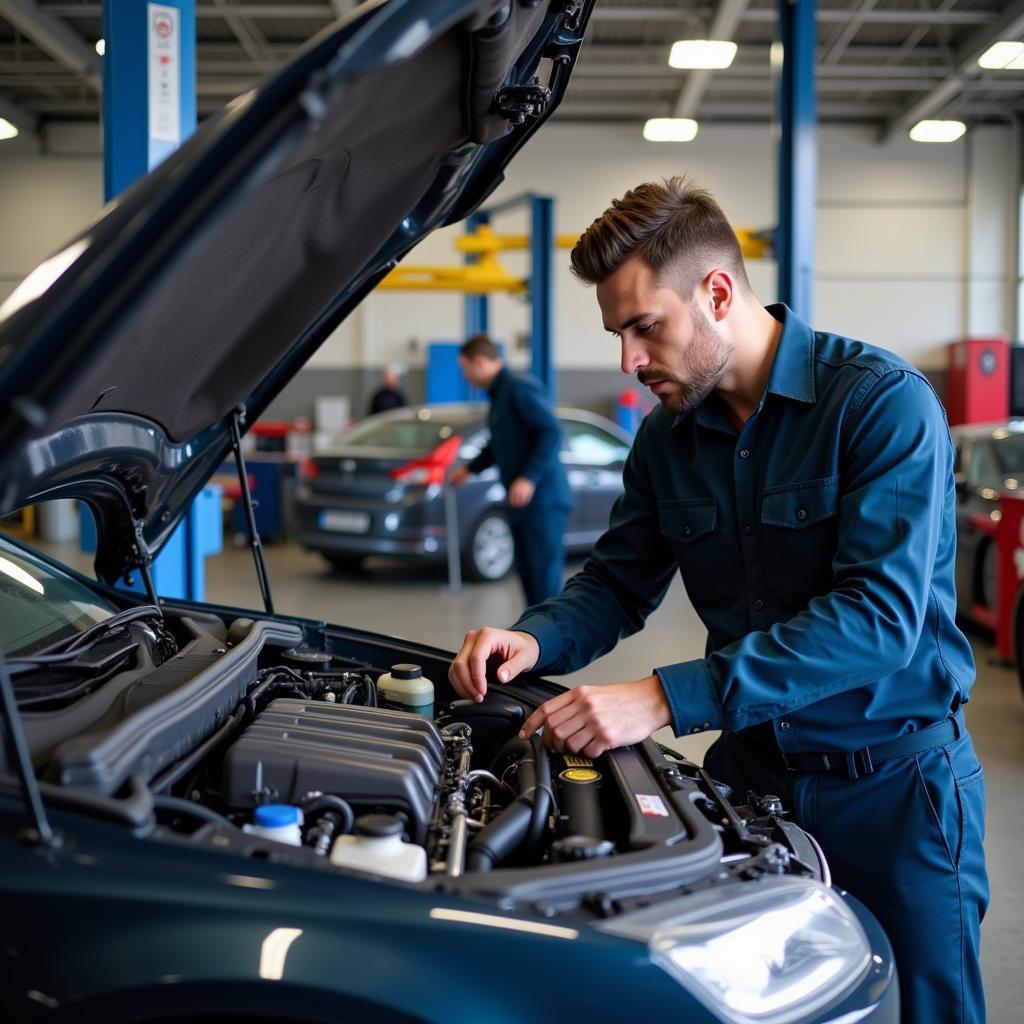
(278, 740)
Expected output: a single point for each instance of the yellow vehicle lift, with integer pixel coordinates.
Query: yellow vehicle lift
(487, 275)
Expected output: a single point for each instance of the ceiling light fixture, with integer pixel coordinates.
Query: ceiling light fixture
(1005, 55)
(937, 131)
(7, 130)
(101, 46)
(697, 54)
(670, 129)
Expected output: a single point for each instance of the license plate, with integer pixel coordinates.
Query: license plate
(344, 522)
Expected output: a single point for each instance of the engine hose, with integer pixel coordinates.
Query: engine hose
(180, 806)
(543, 802)
(314, 804)
(520, 825)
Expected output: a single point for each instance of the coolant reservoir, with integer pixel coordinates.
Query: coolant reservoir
(377, 847)
(405, 685)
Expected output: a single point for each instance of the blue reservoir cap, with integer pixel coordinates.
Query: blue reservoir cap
(276, 816)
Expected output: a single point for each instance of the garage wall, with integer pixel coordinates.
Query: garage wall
(915, 243)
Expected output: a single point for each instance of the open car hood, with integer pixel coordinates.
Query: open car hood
(205, 287)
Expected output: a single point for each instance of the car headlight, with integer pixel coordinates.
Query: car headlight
(765, 952)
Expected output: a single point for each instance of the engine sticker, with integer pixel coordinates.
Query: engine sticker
(651, 806)
(578, 762)
(580, 775)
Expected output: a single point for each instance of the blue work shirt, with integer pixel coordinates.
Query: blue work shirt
(526, 440)
(816, 544)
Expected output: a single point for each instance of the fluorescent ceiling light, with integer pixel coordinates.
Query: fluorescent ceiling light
(702, 53)
(937, 131)
(1003, 56)
(7, 130)
(101, 46)
(670, 129)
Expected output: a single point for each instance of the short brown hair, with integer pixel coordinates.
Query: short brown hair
(675, 226)
(480, 345)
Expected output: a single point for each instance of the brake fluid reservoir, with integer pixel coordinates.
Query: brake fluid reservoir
(406, 685)
(279, 822)
(377, 847)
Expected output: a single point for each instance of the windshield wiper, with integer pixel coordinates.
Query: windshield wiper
(88, 674)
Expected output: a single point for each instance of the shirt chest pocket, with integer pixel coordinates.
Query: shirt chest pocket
(705, 563)
(800, 531)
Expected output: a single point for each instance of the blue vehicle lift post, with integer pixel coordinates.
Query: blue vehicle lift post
(798, 157)
(149, 109)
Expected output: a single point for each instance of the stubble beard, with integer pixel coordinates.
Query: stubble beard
(707, 359)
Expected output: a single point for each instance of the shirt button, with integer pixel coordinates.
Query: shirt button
(801, 514)
(784, 726)
(748, 529)
(687, 531)
(758, 605)
(706, 725)
(695, 729)
(745, 454)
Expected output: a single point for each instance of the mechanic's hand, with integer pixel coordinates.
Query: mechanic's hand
(520, 494)
(468, 673)
(589, 720)
(459, 477)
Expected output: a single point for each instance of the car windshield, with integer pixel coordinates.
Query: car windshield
(415, 434)
(39, 605)
(1010, 454)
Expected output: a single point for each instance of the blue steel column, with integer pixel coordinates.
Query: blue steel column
(542, 291)
(131, 148)
(477, 307)
(798, 157)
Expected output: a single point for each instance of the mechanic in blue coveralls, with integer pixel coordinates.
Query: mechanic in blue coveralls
(525, 442)
(802, 483)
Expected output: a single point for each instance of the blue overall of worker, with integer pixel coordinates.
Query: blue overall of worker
(801, 482)
(526, 443)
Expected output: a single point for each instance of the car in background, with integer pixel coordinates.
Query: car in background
(380, 489)
(215, 813)
(988, 462)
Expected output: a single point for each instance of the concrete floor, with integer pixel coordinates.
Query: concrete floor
(416, 605)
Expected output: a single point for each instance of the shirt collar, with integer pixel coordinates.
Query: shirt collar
(792, 374)
(498, 381)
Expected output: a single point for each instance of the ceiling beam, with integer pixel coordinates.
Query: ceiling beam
(1009, 25)
(723, 26)
(249, 37)
(325, 10)
(51, 35)
(847, 32)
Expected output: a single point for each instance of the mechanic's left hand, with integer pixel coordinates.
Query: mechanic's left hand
(589, 720)
(520, 494)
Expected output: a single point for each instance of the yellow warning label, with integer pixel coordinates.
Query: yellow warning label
(580, 775)
(578, 762)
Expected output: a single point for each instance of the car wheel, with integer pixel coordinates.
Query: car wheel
(345, 564)
(490, 552)
(988, 587)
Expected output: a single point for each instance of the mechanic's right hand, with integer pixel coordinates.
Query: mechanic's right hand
(468, 673)
(459, 477)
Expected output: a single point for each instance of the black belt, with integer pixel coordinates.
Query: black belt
(855, 763)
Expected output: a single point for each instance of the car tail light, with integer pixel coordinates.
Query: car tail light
(308, 470)
(431, 469)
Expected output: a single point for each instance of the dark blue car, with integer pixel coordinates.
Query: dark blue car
(379, 490)
(218, 813)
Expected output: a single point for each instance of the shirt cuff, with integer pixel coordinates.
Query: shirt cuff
(544, 631)
(691, 696)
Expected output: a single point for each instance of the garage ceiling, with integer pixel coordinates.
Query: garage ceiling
(886, 62)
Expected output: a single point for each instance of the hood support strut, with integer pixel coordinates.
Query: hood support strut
(235, 421)
(18, 755)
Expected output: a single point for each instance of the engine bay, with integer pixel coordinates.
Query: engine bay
(292, 742)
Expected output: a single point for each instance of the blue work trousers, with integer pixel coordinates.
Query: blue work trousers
(539, 537)
(906, 840)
